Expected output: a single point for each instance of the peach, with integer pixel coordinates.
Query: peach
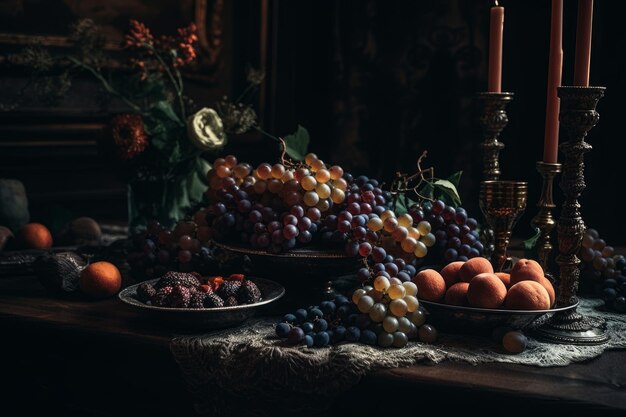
(486, 290)
(506, 278)
(527, 295)
(35, 236)
(547, 284)
(450, 273)
(474, 267)
(526, 269)
(430, 285)
(100, 280)
(457, 294)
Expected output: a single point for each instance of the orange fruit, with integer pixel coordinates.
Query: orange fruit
(35, 236)
(100, 280)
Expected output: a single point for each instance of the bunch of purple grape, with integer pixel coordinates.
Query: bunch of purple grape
(455, 232)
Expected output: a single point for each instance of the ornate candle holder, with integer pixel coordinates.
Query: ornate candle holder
(493, 120)
(544, 220)
(578, 115)
(502, 204)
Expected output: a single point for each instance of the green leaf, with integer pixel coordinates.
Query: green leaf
(297, 143)
(455, 178)
(165, 109)
(427, 190)
(402, 204)
(530, 245)
(448, 189)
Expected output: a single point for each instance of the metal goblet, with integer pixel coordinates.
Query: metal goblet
(502, 203)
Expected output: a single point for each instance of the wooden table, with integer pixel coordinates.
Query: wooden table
(99, 358)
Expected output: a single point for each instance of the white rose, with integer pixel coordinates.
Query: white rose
(206, 130)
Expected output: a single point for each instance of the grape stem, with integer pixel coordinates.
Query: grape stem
(402, 182)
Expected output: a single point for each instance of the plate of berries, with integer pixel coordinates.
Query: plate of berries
(192, 302)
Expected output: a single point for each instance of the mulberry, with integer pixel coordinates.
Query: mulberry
(145, 292)
(172, 278)
(213, 300)
(249, 293)
(229, 289)
(180, 296)
(161, 298)
(231, 301)
(197, 299)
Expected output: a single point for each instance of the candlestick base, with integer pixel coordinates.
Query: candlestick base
(578, 115)
(570, 327)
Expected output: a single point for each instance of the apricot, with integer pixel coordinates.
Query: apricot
(547, 284)
(474, 267)
(450, 273)
(527, 295)
(100, 280)
(486, 290)
(457, 294)
(34, 236)
(505, 278)
(526, 269)
(430, 285)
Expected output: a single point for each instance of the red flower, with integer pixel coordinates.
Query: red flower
(138, 36)
(128, 135)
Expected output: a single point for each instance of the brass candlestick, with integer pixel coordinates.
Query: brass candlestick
(502, 203)
(493, 119)
(578, 115)
(544, 220)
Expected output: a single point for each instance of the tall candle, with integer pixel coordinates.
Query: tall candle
(555, 66)
(582, 57)
(496, 27)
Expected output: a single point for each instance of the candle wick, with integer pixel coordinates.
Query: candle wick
(496, 3)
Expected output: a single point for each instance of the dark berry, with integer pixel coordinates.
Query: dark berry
(173, 278)
(249, 293)
(180, 297)
(145, 292)
(213, 301)
(161, 298)
(229, 289)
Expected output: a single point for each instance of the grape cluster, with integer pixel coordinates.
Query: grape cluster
(340, 320)
(274, 207)
(605, 269)
(158, 250)
(456, 237)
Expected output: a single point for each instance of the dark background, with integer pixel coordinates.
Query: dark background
(375, 83)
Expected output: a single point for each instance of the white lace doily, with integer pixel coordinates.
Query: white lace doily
(249, 370)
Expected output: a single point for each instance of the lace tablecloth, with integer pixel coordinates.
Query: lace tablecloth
(248, 371)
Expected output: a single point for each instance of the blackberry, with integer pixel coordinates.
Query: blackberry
(161, 298)
(213, 300)
(197, 299)
(249, 293)
(229, 289)
(172, 278)
(145, 292)
(231, 301)
(180, 296)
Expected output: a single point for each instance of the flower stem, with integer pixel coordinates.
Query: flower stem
(178, 88)
(106, 84)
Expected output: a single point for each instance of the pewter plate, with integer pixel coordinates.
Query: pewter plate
(306, 262)
(461, 319)
(204, 318)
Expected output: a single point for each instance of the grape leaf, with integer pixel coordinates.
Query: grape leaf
(402, 204)
(448, 189)
(297, 143)
(427, 190)
(455, 178)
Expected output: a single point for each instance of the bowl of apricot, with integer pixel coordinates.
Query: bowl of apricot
(469, 297)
